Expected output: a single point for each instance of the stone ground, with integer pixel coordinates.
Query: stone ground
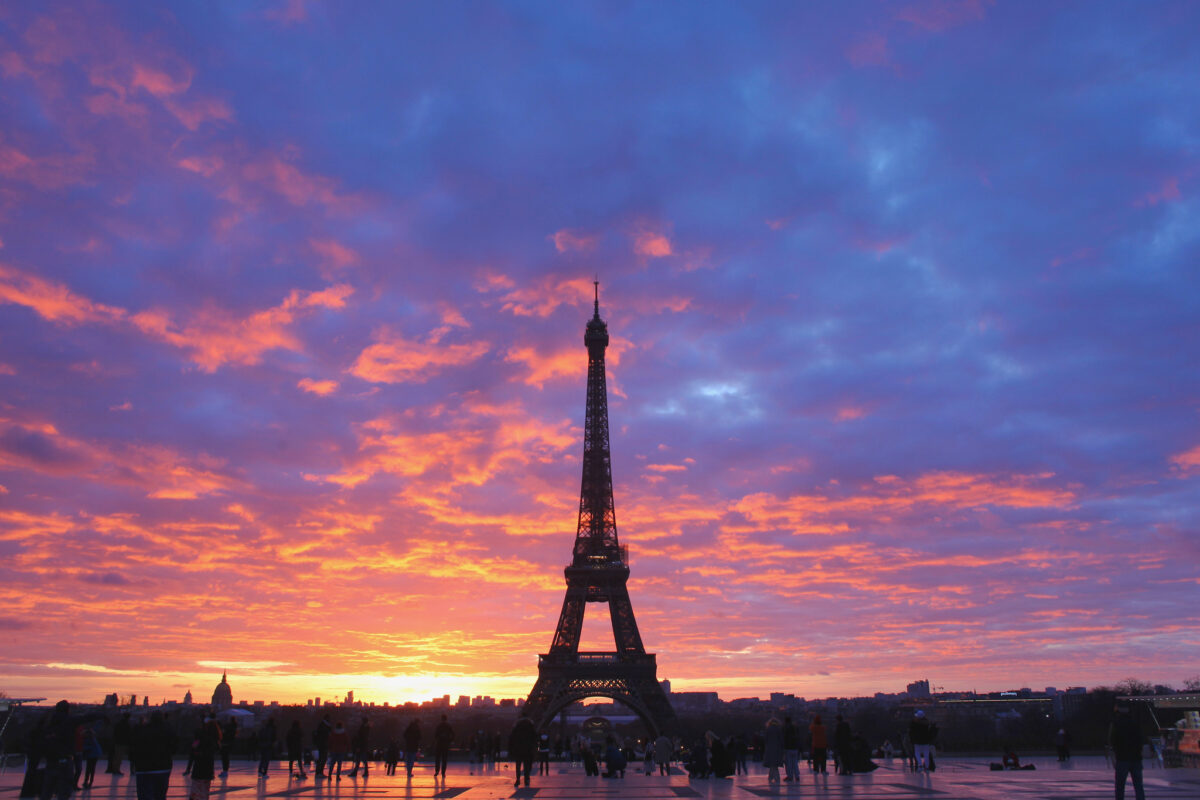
(1084, 778)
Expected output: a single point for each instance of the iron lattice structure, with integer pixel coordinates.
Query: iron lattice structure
(598, 573)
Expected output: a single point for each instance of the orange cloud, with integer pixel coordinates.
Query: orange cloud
(850, 412)
(565, 240)
(542, 368)
(321, 388)
(667, 467)
(543, 298)
(395, 359)
(52, 301)
(215, 337)
(651, 244)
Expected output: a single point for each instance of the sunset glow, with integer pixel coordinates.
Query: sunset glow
(903, 380)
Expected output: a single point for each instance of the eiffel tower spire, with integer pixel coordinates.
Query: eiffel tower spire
(596, 533)
(598, 573)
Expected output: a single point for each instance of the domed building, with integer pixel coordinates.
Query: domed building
(222, 696)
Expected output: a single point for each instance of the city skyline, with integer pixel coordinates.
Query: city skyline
(903, 307)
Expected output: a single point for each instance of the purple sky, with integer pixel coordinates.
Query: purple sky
(905, 306)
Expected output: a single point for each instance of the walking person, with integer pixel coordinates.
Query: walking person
(359, 748)
(663, 754)
(228, 736)
(820, 745)
(773, 749)
(295, 749)
(208, 743)
(339, 746)
(921, 734)
(522, 742)
(791, 750)
(443, 735)
(1127, 743)
(543, 754)
(266, 746)
(412, 743)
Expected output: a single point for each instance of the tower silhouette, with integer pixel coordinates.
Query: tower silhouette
(598, 573)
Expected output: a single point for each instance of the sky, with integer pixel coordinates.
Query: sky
(905, 312)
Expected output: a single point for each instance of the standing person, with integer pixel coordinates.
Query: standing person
(266, 746)
(228, 735)
(842, 745)
(358, 748)
(543, 754)
(151, 753)
(122, 737)
(791, 749)
(295, 750)
(648, 758)
(773, 749)
(321, 740)
(1062, 743)
(339, 745)
(443, 735)
(921, 734)
(58, 748)
(91, 754)
(739, 755)
(208, 742)
(412, 743)
(521, 743)
(1127, 742)
(820, 745)
(663, 754)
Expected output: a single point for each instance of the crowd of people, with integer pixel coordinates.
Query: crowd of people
(70, 748)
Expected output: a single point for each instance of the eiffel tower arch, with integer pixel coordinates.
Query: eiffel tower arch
(598, 573)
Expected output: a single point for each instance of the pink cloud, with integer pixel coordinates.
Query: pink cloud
(939, 15)
(1187, 461)
(334, 253)
(565, 240)
(44, 172)
(289, 12)
(1169, 191)
(869, 50)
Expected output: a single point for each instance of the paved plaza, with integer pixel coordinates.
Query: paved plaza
(966, 779)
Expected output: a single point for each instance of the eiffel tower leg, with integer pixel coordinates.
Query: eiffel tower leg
(570, 621)
(625, 630)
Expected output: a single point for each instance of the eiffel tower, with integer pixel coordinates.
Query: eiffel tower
(597, 574)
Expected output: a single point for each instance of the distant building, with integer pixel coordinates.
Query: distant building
(918, 689)
(222, 696)
(111, 700)
(187, 698)
(146, 701)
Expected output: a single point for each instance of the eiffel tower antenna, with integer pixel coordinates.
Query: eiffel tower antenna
(598, 573)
